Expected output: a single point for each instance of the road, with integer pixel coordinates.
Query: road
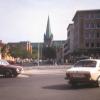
(41, 85)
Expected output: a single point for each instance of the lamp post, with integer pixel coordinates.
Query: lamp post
(38, 53)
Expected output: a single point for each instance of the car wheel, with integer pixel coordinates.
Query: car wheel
(15, 74)
(98, 82)
(8, 73)
(73, 84)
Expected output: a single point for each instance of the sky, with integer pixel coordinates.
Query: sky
(26, 20)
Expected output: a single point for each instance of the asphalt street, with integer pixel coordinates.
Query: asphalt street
(44, 85)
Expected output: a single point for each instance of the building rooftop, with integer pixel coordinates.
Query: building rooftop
(82, 11)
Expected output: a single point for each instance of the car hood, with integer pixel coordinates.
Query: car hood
(13, 66)
(81, 69)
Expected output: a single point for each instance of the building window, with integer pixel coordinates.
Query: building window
(92, 25)
(98, 25)
(92, 45)
(97, 16)
(86, 25)
(86, 35)
(86, 16)
(92, 35)
(89, 25)
(91, 16)
(98, 45)
(98, 35)
(87, 45)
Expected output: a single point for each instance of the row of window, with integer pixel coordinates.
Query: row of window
(91, 25)
(92, 44)
(92, 16)
(91, 35)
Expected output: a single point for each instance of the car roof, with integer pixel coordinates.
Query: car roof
(91, 60)
(2, 60)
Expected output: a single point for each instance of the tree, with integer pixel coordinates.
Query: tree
(4, 50)
(49, 53)
(34, 53)
(19, 52)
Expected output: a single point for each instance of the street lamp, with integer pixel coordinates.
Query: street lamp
(38, 53)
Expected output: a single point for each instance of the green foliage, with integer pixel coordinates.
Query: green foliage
(4, 50)
(18, 52)
(34, 53)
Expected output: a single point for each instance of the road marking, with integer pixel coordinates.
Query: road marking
(39, 72)
(22, 75)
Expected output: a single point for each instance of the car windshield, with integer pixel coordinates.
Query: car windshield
(85, 64)
(3, 62)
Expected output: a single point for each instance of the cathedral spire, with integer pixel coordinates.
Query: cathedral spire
(48, 37)
(48, 29)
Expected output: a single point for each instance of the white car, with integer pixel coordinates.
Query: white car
(84, 71)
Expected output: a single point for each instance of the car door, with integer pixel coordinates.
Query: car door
(96, 75)
(1, 67)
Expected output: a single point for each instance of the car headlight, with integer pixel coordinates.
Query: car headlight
(17, 70)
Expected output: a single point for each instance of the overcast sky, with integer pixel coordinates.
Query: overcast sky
(26, 20)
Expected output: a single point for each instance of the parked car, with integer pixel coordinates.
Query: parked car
(84, 71)
(8, 70)
(35, 63)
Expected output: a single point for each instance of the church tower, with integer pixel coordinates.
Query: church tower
(48, 36)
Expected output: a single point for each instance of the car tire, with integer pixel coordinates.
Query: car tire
(98, 82)
(8, 73)
(15, 74)
(73, 84)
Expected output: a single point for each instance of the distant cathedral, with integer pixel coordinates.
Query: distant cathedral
(48, 36)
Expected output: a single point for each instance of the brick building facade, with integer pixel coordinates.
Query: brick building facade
(86, 34)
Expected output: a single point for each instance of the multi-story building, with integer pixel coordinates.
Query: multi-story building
(86, 35)
(25, 45)
(58, 45)
(87, 32)
(69, 44)
(55, 43)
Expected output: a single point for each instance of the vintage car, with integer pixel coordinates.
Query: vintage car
(84, 71)
(9, 70)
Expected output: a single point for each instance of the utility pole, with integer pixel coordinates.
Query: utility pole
(38, 53)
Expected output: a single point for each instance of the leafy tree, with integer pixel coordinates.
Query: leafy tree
(34, 53)
(19, 52)
(49, 52)
(4, 50)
